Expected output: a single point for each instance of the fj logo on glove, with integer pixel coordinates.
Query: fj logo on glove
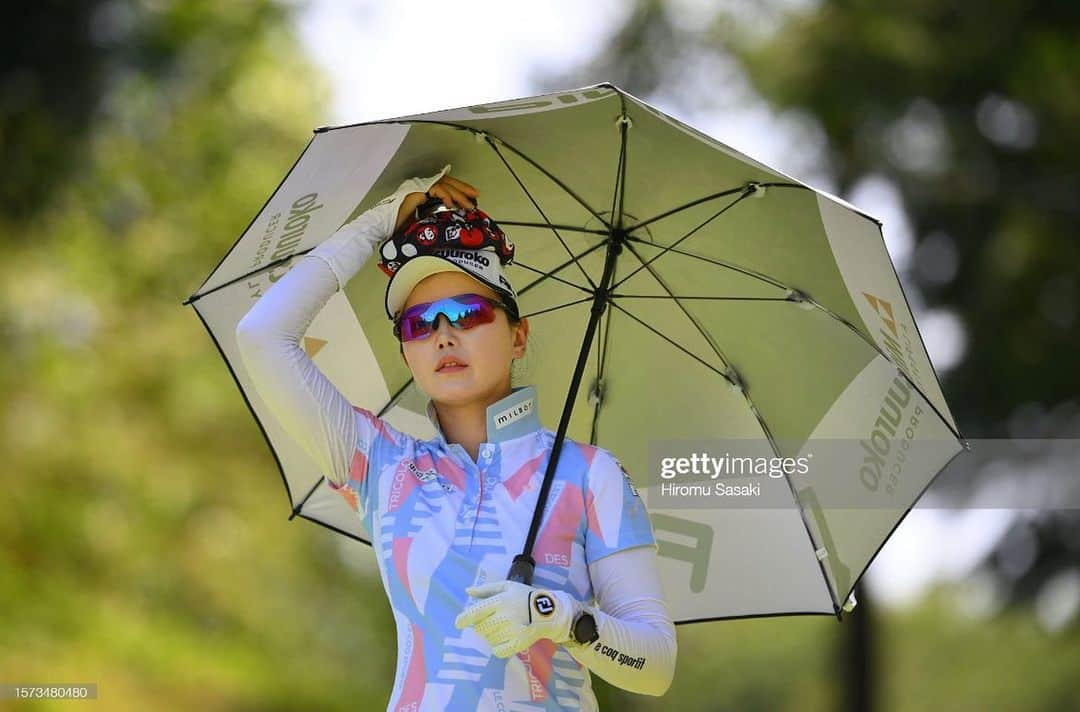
(544, 604)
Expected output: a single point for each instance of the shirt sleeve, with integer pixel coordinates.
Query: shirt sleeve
(637, 647)
(342, 439)
(616, 517)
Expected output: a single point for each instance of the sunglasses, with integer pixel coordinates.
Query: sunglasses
(462, 311)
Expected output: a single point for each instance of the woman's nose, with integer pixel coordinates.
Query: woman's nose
(443, 332)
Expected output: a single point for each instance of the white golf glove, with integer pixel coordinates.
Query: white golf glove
(511, 616)
(348, 248)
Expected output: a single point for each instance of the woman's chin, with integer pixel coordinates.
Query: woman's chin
(459, 389)
(455, 388)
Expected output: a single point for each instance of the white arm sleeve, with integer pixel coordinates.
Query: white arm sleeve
(308, 406)
(637, 646)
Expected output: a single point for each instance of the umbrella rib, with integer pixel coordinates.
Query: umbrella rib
(745, 192)
(302, 502)
(671, 341)
(555, 180)
(246, 275)
(567, 228)
(712, 196)
(545, 275)
(331, 527)
(620, 167)
(394, 398)
(561, 306)
(662, 283)
(616, 200)
(716, 349)
(240, 237)
(491, 139)
(601, 360)
(540, 210)
(831, 313)
(530, 285)
(768, 436)
(552, 276)
(712, 260)
(719, 299)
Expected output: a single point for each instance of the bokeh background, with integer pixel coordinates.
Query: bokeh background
(144, 543)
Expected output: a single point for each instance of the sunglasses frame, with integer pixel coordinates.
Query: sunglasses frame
(498, 303)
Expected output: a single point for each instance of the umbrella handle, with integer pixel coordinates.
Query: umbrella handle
(522, 569)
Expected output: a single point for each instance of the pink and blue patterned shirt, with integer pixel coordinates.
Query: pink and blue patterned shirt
(441, 522)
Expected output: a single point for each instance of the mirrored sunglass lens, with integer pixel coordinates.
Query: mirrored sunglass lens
(454, 311)
(414, 327)
(464, 312)
(480, 311)
(478, 314)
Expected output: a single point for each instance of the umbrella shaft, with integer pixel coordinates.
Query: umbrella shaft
(523, 565)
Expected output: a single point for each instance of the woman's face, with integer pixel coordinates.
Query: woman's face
(486, 350)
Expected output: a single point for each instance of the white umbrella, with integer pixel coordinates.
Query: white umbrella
(678, 290)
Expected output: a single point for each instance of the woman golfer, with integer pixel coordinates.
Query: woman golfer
(448, 514)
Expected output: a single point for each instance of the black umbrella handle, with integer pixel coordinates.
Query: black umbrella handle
(522, 569)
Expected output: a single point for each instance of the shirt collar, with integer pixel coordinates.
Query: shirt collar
(510, 417)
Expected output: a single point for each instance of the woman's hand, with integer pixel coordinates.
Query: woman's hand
(511, 616)
(454, 193)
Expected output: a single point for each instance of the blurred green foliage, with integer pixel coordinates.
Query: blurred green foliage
(145, 545)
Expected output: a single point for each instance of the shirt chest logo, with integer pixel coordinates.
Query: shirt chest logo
(426, 476)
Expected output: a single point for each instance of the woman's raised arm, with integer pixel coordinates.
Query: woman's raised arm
(309, 407)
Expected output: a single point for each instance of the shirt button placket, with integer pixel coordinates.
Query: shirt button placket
(465, 516)
(490, 480)
(474, 514)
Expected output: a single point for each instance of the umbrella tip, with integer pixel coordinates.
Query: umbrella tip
(596, 392)
(735, 381)
(799, 297)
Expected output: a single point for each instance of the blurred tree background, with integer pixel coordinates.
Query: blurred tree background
(146, 548)
(145, 545)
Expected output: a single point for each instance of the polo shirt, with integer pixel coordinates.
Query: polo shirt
(441, 522)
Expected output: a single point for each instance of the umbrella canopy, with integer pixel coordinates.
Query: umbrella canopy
(709, 296)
